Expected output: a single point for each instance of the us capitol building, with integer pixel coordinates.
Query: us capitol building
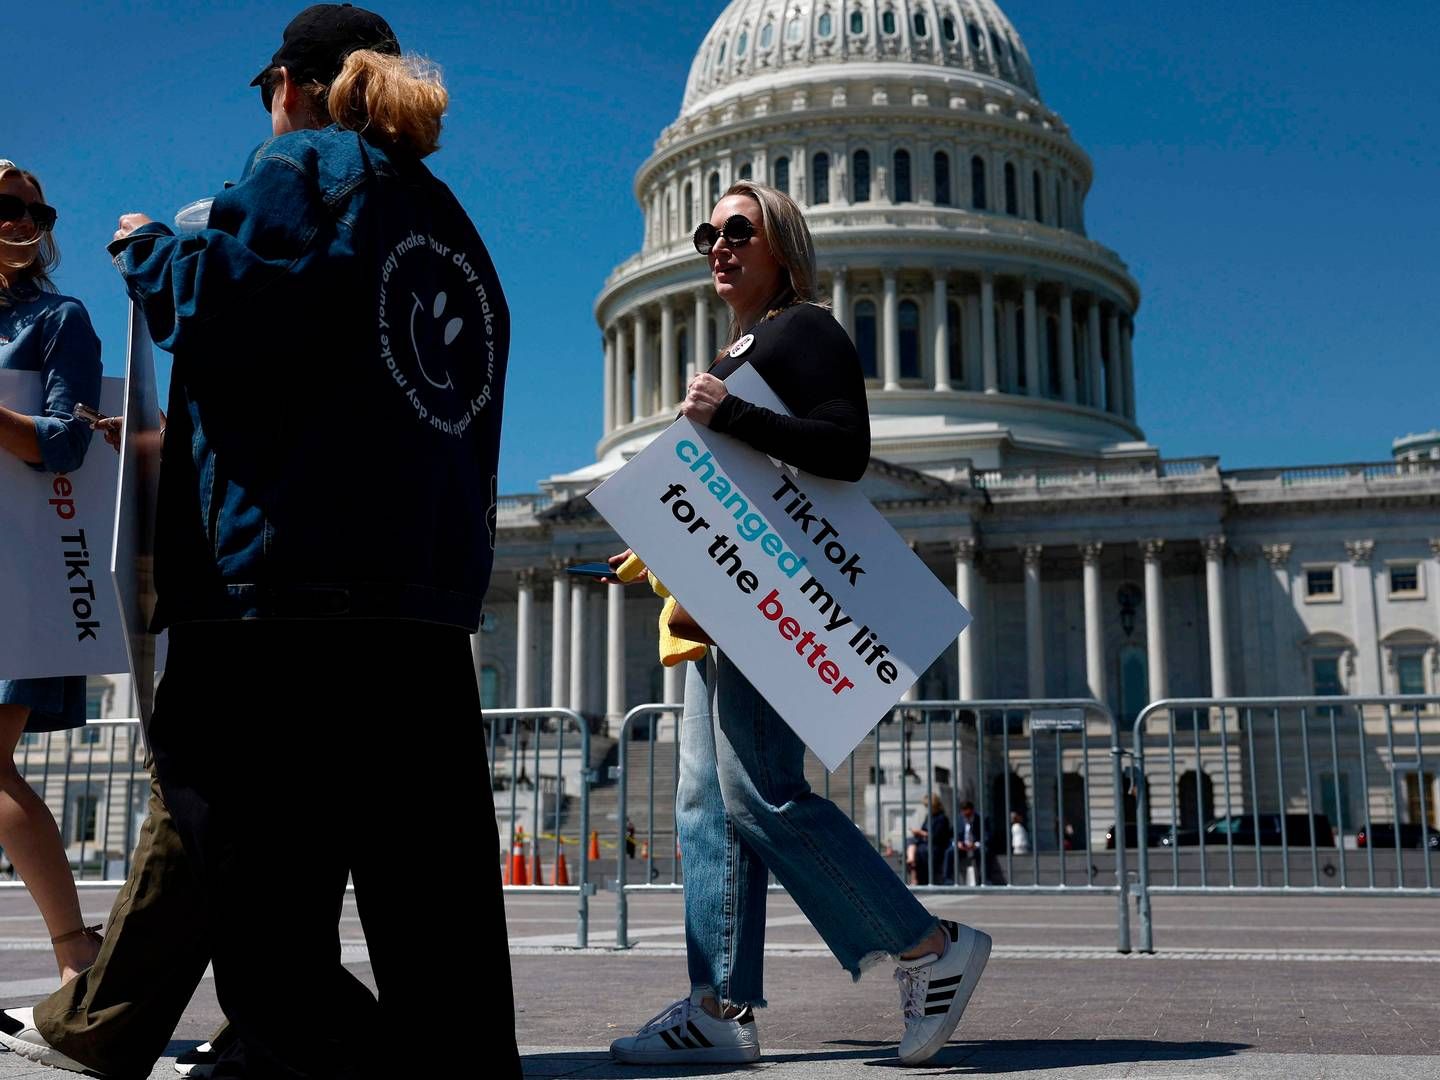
(947, 201)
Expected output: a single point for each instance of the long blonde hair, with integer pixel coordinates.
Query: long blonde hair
(789, 237)
(399, 100)
(47, 258)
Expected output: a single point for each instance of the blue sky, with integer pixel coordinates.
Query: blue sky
(1269, 171)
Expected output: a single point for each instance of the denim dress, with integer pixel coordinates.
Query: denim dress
(51, 334)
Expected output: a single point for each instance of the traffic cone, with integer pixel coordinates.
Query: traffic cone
(536, 878)
(562, 874)
(594, 853)
(518, 874)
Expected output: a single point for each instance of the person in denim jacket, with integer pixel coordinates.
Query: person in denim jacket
(325, 534)
(40, 330)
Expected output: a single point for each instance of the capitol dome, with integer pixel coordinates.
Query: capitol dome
(947, 202)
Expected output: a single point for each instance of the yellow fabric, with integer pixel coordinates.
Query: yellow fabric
(673, 648)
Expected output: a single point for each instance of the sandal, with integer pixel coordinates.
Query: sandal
(91, 932)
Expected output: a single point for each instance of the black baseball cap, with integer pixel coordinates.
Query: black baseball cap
(318, 40)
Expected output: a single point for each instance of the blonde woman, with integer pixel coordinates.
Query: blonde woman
(324, 525)
(744, 809)
(42, 331)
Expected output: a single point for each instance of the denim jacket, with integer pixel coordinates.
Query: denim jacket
(340, 341)
(51, 334)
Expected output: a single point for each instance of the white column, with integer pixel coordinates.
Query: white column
(890, 329)
(595, 648)
(1155, 619)
(1032, 343)
(1127, 361)
(578, 659)
(1362, 603)
(700, 333)
(674, 692)
(615, 699)
(624, 388)
(940, 305)
(1034, 623)
(987, 334)
(1067, 346)
(559, 638)
(965, 593)
(1115, 375)
(1094, 625)
(644, 377)
(1215, 613)
(839, 298)
(668, 372)
(608, 423)
(1097, 378)
(524, 639)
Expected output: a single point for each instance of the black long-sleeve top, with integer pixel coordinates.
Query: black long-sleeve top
(810, 362)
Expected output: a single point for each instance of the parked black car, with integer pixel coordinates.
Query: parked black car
(1240, 830)
(1381, 835)
(1157, 833)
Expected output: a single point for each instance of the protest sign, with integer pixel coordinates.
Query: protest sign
(58, 613)
(799, 580)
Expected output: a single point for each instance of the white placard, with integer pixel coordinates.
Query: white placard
(800, 581)
(58, 613)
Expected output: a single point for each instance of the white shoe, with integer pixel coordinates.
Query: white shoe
(198, 1063)
(934, 990)
(686, 1034)
(18, 1033)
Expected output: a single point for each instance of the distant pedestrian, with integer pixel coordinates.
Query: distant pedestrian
(1019, 836)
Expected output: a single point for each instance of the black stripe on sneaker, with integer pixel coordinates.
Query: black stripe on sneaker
(689, 1044)
(699, 1035)
(942, 995)
(938, 983)
(669, 1040)
(937, 1010)
(953, 929)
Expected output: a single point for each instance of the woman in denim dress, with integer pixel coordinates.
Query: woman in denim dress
(743, 808)
(40, 330)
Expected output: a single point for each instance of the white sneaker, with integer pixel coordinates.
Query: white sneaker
(198, 1063)
(17, 1033)
(934, 990)
(686, 1034)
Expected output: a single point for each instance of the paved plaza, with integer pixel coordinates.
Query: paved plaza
(1241, 986)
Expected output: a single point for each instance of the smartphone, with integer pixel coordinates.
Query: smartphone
(592, 569)
(89, 415)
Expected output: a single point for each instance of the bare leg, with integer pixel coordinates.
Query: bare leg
(29, 836)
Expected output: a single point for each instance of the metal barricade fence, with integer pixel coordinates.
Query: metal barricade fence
(1287, 816)
(509, 735)
(1045, 760)
(96, 784)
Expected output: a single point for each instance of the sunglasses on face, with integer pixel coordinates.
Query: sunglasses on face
(14, 208)
(267, 88)
(737, 230)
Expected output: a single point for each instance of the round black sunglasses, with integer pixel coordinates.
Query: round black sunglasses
(14, 208)
(737, 230)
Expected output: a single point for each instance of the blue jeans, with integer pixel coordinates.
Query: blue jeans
(744, 808)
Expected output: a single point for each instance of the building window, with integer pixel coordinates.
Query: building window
(918, 21)
(947, 26)
(903, 192)
(820, 179)
(1038, 196)
(720, 57)
(1405, 581)
(714, 189)
(1322, 584)
(767, 36)
(942, 179)
(489, 687)
(1417, 783)
(689, 207)
(747, 171)
(1012, 198)
(1059, 207)
(909, 339)
(954, 325)
(95, 702)
(794, 31)
(1410, 673)
(742, 43)
(84, 815)
(1325, 676)
(825, 25)
(862, 175)
(976, 42)
(1022, 376)
(89, 735)
(977, 182)
(865, 339)
(887, 22)
(782, 174)
(857, 22)
(1335, 800)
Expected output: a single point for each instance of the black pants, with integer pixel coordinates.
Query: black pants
(295, 754)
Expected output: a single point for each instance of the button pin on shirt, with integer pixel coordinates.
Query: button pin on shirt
(741, 347)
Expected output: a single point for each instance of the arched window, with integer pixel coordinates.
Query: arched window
(909, 339)
(947, 25)
(489, 686)
(975, 39)
(1052, 356)
(782, 174)
(794, 31)
(857, 22)
(861, 168)
(825, 25)
(954, 324)
(720, 57)
(671, 221)
(747, 172)
(767, 36)
(887, 22)
(820, 179)
(903, 188)
(1038, 195)
(942, 179)
(714, 189)
(1012, 195)
(918, 22)
(865, 343)
(742, 43)
(1022, 377)
(977, 182)
(689, 207)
